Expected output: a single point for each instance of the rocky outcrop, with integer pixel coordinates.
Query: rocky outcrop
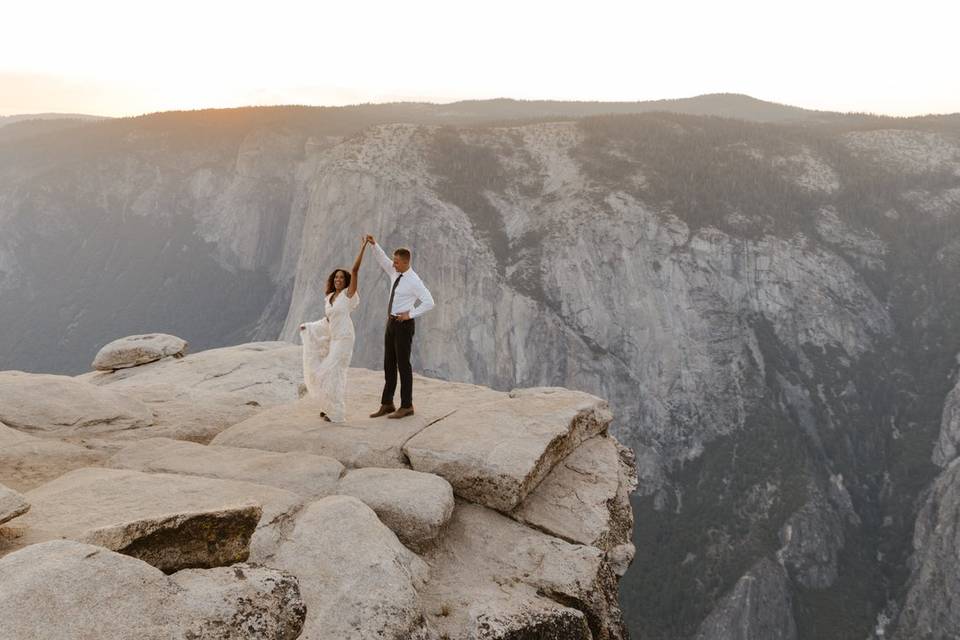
(301, 473)
(494, 578)
(759, 607)
(374, 551)
(416, 506)
(949, 439)
(931, 609)
(170, 521)
(932, 602)
(812, 539)
(12, 504)
(65, 589)
(586, 497)
(496, 452)
(136, 350)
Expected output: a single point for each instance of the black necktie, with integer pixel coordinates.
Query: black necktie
(392, 293)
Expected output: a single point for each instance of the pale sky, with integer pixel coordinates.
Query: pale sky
(129, 57)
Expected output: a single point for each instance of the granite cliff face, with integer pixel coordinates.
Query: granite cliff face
(770, 309)
(929, 609)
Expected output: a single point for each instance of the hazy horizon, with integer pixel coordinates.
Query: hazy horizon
(442, 102)
(107, 58)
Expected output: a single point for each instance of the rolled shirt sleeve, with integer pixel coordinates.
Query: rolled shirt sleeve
(426, 299)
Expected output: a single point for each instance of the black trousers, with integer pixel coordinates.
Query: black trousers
(397, 342)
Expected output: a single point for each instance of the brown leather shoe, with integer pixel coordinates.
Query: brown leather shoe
(383, 410)
(402, 412)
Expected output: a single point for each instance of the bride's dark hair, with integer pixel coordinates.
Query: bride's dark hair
(346, 280)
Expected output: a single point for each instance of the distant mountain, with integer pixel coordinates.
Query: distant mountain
(349, 119)
(6, 120)
(21, 127)
(727, 105)
(30, 128)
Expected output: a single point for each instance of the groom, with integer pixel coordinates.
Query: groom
(406, 288)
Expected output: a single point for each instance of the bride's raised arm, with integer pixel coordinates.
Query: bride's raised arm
(355, 272)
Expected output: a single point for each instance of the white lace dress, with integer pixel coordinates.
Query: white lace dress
(327, 352)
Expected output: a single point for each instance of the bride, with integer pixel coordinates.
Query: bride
(328, 343)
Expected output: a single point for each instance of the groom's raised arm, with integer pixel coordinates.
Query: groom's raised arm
(382, 258)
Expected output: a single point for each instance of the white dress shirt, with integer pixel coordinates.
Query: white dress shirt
(409, 290)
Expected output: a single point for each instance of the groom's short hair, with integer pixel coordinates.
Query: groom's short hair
(403, 253)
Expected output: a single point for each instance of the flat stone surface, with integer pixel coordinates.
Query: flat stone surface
(302, 473)
(492, 577)
(415, 505)
(267, 373)
(356, 579)
(171, 518)
(66, 589)
(497, 451)
(185, 413)
(586, 497)
(360, 441)
(43, 404)
(12, 504)
(132, 351)
(27, 462)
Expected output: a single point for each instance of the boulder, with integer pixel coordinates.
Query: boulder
(133, 351)
(356, 579)
(620, 558)
(491, 577)
(302, 473)
(586, 497)
(414, 505)
(360, 441)
(170, 521)
(12, 504)
(66, 589)
(496, 452)
(27, 461)
(243, 601)
(266, 373)
(63, 406)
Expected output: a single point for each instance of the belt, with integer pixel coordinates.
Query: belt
(394, 318)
